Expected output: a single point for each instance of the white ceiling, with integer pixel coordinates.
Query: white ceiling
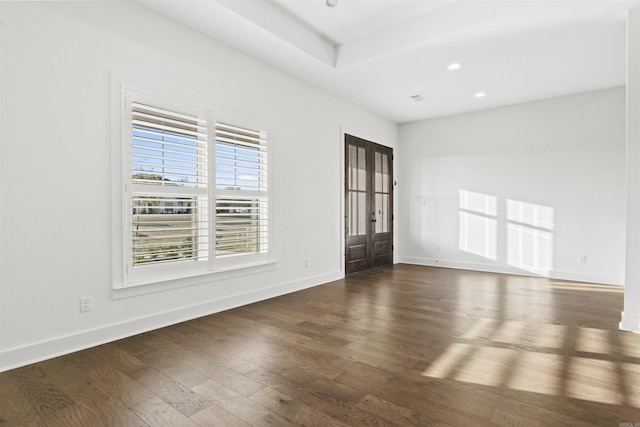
(379, 53)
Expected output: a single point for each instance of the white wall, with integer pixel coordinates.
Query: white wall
(630, 318)
(562, 161)
(60, 64)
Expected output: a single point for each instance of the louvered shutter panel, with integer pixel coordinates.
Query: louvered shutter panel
(241, 190)
(169, 164)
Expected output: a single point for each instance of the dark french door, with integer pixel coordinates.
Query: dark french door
(368, 204)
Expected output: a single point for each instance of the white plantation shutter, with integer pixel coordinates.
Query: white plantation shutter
(168, 145)
(169, 197)
(241, 190)
(195, 192)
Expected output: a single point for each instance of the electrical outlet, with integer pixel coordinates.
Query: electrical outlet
(85, 304)
(583, 259)
(307, 262)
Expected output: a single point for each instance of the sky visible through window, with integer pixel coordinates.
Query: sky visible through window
(161, 156)
(164, 156)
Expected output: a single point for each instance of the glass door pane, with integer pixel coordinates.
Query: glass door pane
(382, 189)
(357, 191)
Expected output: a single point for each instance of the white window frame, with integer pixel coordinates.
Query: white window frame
(133, 276)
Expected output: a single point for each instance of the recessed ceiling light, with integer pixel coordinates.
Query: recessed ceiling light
(480, 95)
(454, 66)
(417, 97)
(331, 3)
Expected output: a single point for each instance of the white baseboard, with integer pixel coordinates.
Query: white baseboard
(586, 278)
(629, 323)
(507, 269)
(36, 352)
(460, 265)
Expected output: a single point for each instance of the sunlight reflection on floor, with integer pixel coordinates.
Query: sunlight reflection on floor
(494, 356)
(509, 331)
(549, 336)
(593, 380)
(538, 373)
(486, 366)
(593, 341)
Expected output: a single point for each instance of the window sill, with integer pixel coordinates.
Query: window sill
(222, 273)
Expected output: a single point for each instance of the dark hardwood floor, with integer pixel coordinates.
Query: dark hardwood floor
(401, 345)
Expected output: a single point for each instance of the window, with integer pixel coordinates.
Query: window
(196, 191)
(241, 190)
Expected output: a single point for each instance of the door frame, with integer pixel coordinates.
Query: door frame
(342, 146)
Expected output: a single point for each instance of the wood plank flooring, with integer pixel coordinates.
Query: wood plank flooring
(399, 345)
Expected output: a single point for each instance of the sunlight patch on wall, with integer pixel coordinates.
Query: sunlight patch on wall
(530, 237)
(478, 224)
